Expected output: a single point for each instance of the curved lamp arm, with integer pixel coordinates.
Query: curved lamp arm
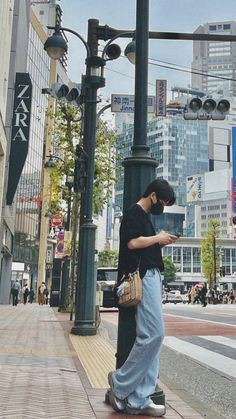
(61, 28)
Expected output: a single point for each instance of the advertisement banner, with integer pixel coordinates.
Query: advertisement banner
(20, 132)
(195, 188)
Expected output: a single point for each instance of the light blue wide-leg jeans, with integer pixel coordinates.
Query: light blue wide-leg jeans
(136, 379)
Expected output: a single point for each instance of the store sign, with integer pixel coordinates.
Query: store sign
(20, 132)
(125, 103)
(161, 92)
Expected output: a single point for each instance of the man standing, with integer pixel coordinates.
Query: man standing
(134, 382)
(16, 287)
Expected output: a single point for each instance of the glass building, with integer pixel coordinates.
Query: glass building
(180, 148)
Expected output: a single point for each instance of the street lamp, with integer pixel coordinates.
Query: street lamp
(85, 296)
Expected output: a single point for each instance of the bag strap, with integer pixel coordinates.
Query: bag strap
(139, 262)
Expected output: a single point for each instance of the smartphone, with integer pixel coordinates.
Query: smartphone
(175, 234)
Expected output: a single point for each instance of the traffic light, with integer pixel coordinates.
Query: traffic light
(206, 108)
(81, 163)
(69, 93)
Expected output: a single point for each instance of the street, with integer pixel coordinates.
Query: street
(198, 360)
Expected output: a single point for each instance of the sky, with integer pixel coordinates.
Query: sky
(164, 16)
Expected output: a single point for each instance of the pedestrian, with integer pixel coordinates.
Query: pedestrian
(202, 295)
(133, 383)
(41, 296)
(25, 293)
(209, 296)
(16, 288)
(194, 294)
(189, 295)
(31, 295)
(231, 297)
(46, 294)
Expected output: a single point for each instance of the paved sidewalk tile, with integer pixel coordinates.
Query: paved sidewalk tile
(38, 376)
(45, 376)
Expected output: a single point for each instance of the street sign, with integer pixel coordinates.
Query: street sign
(161, 92)
(56, 220)
(125, 103)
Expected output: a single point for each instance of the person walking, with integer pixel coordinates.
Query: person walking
(25, 293)
(31, 295)
(132, 384)
(16, 288)
(41, 296)
(202, 295)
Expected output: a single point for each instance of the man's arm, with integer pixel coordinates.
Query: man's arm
(142, 242)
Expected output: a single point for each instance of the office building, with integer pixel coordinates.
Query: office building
(212, 58)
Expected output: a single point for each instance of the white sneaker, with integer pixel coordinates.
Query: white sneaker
(154, 410)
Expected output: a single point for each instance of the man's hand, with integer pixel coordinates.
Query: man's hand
(164, 238)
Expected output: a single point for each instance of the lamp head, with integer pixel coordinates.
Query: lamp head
(56, 45)
(130, 51)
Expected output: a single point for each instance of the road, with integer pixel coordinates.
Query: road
(198, 360)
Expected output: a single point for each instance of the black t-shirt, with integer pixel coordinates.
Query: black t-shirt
(136, 223)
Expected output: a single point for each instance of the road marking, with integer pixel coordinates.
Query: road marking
(221, 339)
(198, 319)
(205, 356)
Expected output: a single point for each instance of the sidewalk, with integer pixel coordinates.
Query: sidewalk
(47, 373)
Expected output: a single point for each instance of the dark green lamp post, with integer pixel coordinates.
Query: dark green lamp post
(139, 169)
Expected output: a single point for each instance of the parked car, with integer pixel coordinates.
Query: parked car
(106, 279)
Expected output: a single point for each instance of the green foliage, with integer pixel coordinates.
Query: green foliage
(210, 252)
(67, 134)
(108, 257)
(169, 270)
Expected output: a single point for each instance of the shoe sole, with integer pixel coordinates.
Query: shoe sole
(131, 411)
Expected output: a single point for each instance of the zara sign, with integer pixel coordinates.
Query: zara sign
(20, 132)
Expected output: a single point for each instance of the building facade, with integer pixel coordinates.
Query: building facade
(216, 59)
(22, 197)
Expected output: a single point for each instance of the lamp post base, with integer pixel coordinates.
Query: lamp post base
(85, 322)
(84, 329)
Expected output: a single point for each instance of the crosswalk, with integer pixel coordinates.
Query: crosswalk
(217, 352)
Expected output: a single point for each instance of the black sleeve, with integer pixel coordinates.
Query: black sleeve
(130, 228)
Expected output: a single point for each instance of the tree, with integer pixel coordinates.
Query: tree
(169, 272)
(210, 253)
(108, 257)
(67, 134)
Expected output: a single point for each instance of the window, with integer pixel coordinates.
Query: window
(226, 26)
(212, 28)
(186, 259)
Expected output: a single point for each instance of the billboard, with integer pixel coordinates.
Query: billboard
(234, 170)
(195, 186)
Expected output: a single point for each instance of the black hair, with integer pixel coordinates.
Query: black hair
(163, 190)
